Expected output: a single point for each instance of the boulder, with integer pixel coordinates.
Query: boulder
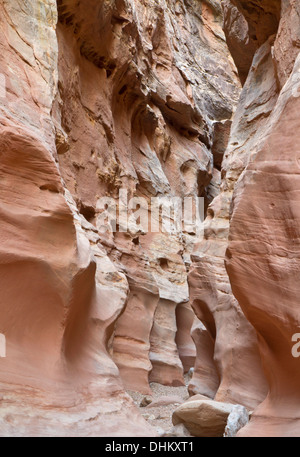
(203, 418)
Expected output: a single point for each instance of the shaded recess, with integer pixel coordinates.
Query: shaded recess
(142, 107)
(247, 25)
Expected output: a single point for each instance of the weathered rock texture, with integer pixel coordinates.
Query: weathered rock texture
(248, 25)
(236, 353)
(139, 106)
(238, 418)
(260, 170)
(107, 96)
(101, 96)
(205, 379)
(203, 418)
(262, 258)
(57, 377)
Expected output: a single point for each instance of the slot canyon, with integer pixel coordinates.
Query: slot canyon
(106, 108)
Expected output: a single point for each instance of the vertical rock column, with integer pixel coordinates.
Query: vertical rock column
(56, 378)
(263, 253)
(236, 352)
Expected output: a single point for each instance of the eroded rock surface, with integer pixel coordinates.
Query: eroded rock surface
(139, 112)
(265, 260)
(57, 377)
(255, 168)
(237, 419)
(101, 97)
(262, 254)
(236, 356)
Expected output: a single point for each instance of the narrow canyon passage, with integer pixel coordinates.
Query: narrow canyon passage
(149, 218)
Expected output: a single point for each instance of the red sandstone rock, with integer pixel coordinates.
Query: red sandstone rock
(138, 96)
(262, 261)
(235, 344)
(185, 344)
(133, 113)
(287, 43)
(261, 254)
(205, 379)
(247, 26)
(92, 106)
(57, 377)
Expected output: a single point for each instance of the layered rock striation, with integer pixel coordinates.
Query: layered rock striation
(108, 108)
(262, 254)
(101, 97)
(140, 105)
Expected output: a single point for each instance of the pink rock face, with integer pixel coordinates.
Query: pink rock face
(57, 376)
(228, 338)
(236, 355)
(131, 114)
(57, 336)
(247, 27)
(261, 257)
(167, 368)
(185, 343)
(287, 44)
(99, 97)
(262, 261)
(205, 379)
(131, 353)
(210, 291)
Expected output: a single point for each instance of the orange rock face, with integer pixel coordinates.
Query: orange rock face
(129, 101)
(256, 170)
(57, 376)
(136, 116)
(262, 254)
(236, 354)
(262, 257)
(91, 107)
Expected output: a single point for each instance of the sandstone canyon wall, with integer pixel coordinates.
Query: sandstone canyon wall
(259, 170)
(57, 377)
(138, 112)
(99, 96)
(262, 256)
(155, 99)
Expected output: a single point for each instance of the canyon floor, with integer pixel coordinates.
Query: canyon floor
(165, 399)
